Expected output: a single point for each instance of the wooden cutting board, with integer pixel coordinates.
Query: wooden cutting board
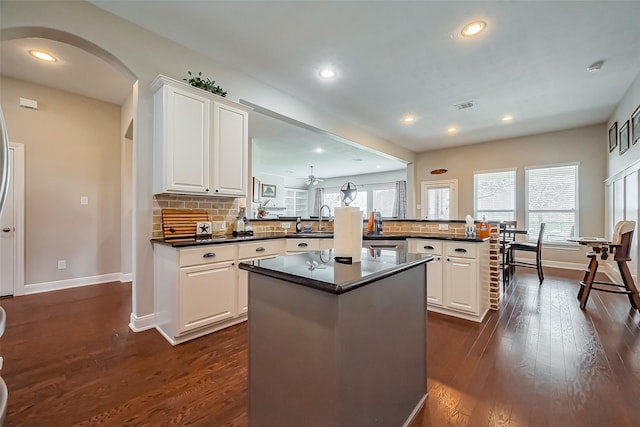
(181, 222)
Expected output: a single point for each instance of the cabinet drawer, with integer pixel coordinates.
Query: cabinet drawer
(462, 249)
(427, 246)
(303, 245)
(259, 249)
(207, 255)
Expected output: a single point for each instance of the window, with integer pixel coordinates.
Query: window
(495, 195)
(552, 198)
(370, 197)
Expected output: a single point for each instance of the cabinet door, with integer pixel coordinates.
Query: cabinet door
(243, 291)
(461, 284)
(206, 295)
(186, 121)
(230, 141)
(434, 281)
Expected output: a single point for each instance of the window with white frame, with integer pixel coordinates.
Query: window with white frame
(552, 198)
(370, 197)
(495, 195)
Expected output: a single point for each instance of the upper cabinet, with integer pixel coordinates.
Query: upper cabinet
(200, 141)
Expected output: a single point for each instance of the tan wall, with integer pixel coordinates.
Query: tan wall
(72, 149)
(584, 145)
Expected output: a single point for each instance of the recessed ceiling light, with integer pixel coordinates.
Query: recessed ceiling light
(318, 150)
(473, 28)
(409, 119)
(451, 130)
(357, 160)
(42, 55)
(327, 73)
(507, 118)
(378, 166)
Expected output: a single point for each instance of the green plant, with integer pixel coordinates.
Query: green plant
(206, 84)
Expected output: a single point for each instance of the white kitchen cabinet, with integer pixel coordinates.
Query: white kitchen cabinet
(206, 295)
(457, 278)
(200, 141)
(196, 290)
(261, 249)
(230, 143)
(307, 244)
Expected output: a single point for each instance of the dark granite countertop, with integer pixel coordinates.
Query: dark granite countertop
(193, 241)
(318, 270)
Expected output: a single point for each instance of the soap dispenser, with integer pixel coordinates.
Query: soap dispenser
(298, 225)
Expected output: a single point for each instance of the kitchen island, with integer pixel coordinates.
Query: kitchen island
(334, 344)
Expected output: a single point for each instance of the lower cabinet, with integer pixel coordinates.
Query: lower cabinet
(196, 290)
(206, 295)
(251, 252)
(307, 244)
(457, 278)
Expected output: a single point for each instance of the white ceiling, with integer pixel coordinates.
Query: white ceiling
(399, 57)
(392, 58)
(76, 70)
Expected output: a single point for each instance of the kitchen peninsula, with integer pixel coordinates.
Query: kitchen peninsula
(329, 341)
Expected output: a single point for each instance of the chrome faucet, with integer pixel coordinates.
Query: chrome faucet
(320, 216)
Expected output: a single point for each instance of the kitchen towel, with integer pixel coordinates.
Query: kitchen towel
(347, 232)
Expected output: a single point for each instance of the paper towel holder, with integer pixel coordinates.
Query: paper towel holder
(348, 193)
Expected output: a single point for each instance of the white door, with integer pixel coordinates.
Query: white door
(7, 236)
(439, 199)
(11, 227)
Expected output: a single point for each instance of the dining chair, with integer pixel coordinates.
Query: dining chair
(507, 236)
(527, 247)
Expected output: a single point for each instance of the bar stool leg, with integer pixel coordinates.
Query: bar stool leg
(585, 285)
(629, 284)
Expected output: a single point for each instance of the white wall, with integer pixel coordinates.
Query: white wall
(146, 55)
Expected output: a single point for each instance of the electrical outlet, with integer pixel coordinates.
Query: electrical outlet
(443, 226)
(84, 200)
(218, 225)
(62, 264)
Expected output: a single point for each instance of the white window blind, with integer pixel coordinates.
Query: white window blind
(552, 198)
(495, 195)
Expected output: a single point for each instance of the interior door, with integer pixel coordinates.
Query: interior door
(7, 235)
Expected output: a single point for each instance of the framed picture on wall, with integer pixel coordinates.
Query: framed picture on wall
(635, 126)
(624, 137)
(256, 190)
(613, 136)
(268, 190)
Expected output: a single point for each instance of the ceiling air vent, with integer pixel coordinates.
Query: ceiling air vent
(464, 105)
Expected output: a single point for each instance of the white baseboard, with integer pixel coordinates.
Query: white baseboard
(142, 323)
(35, 288)
(126, 277)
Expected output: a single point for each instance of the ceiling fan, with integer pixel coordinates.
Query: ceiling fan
(311, 179)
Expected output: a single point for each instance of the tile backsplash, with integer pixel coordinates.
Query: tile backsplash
(218, 209)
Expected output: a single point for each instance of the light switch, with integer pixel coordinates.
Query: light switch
(84, 200)
(62, 264)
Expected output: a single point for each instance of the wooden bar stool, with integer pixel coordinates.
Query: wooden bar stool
(527, 247)
(620, 246)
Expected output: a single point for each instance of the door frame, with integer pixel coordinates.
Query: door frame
(17, 175)
(452, 184)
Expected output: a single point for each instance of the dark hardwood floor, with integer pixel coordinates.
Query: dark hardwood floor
(70, 359)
